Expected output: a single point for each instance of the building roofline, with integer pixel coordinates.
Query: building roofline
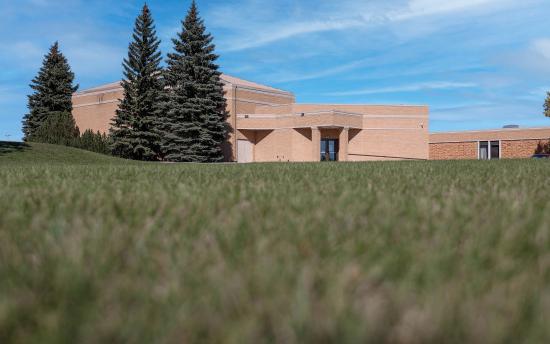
(246, 84)
(112, 86)
(377, 105)
(488, 130)
(226, 79)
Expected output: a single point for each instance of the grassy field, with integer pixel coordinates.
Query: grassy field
(95, 249)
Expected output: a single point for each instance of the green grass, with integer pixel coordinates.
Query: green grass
(15, 153)
(99, 250)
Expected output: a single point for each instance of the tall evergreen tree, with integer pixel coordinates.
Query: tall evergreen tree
(194, 126)
(134, 130)
(53, 89)
(547, 105)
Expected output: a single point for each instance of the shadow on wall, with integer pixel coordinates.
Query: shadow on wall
(12, 147)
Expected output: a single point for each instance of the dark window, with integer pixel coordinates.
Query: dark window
(329, 150)
(489, 150)
(484, 150)
(495, 150)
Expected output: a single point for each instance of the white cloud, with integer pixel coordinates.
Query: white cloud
(534, 58)
(320, 74)
(256, 32)
(542, 47)
(431, 85)
(490, 115)
(292, 30)
(24, 53)
(421, 8)
(94, 58)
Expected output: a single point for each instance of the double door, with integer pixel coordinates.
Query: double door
(329, 149)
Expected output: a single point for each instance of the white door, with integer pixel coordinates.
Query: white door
(245, 151)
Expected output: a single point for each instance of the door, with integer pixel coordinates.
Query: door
(329, 149)
(245, 153)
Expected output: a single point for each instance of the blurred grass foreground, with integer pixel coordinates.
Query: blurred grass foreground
(96, 250)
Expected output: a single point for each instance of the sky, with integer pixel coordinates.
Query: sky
(477, 63)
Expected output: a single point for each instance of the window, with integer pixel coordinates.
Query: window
(484, 150)
(489, 150)
(495, 150)
(329, 150)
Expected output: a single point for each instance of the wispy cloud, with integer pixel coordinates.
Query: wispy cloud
(255, 32)
(480, 66)
(295, 29)
(432, 85)
(322, 73)
(534, 57)
(423, 8)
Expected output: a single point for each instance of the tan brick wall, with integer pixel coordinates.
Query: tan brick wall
(96, 111)
(302, 145)
(453, 151)
(518, 149)
(275, 145)
(366, 145)
(376, 132)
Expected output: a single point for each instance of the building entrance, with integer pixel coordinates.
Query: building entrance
(329, 149)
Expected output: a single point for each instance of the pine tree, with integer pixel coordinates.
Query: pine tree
(58, 128)
(53, 89)
(134, 130)
(194, 126)
(547, 105)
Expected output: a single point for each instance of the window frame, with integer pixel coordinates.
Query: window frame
(489, 155)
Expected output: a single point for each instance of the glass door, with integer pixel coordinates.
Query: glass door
(329, 150)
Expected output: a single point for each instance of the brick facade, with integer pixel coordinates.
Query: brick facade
(519, 148)
(453, 151)
(518, 143)
(268, 125)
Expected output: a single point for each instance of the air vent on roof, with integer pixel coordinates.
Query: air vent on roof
(511, 126)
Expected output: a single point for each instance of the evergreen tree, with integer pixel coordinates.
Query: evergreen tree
(134, 131)
(547, 105)
(59, 128)
(194, 123)
(53, 89)
(95, 142)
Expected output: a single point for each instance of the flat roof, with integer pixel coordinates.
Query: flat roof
(527, 133)
(226, 79)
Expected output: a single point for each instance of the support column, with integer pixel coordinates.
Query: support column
(315, 144)
(344, 142)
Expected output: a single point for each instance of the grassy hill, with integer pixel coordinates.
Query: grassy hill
(39, 153)
(96, 249)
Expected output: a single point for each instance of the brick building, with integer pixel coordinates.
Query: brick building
(511, 143)
(268, 125)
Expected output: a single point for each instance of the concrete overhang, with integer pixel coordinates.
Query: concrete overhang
(327, 119)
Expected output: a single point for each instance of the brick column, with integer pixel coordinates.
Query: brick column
(315, 144)
(344, 142)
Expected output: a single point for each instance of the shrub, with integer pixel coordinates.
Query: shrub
(58, 128)
(94, 142)
(543, 147)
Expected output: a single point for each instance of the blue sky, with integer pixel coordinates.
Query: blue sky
(476, 63)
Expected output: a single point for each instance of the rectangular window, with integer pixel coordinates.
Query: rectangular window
(489, 150)
(495, 150)
(329, 150)
(483, 150)
(323, 150)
